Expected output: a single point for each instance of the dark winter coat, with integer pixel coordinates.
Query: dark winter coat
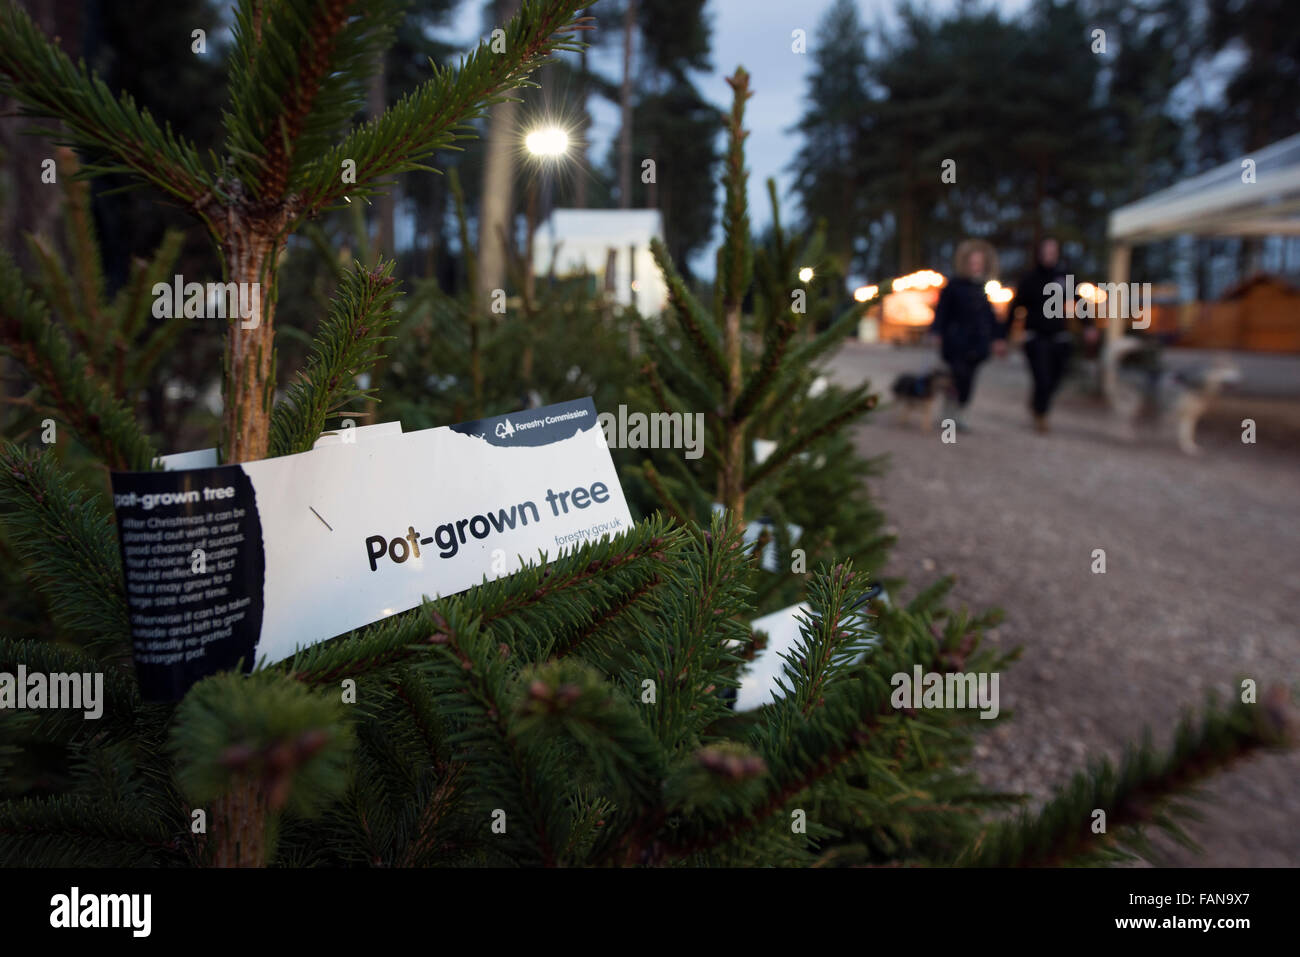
(1032, 294)
(964, 322)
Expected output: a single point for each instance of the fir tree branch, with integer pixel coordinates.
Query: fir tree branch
(76, 832)
(474, 678)
(43, 79)
(404, 798)
(421, 708)
(805, 356)
(435, 114)
(736, 254)
(345, 347)
(534, 608)
(802, 748)
(855, 405)
(102, 422)
(828, 642)
(666, 500)
(698, 633)
(778, 340)
(571, 700)
(131, 306)
(1139, 793)
(694, 319)
(576, 640)
(104, 330)
(262, 726)
(68, 546)
(438, 808)
(87, 268)
(540, 608)
(702, 392)
(467, 311)
(117, 703)
(655, 383)
(295, 77)
(251, 747)
(778, 234)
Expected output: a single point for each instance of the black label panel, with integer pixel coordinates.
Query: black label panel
(194, 563)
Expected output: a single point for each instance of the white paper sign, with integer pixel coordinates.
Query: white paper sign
(260, 559)
(758, 682)
(207, 458)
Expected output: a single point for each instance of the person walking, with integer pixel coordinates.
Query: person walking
(965, 324)
(1048, 340)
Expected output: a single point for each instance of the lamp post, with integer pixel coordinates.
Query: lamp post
(547, 146)
(548, 142)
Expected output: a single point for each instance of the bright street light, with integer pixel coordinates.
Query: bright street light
(996, 292)
(1090, 292)
(806, 274)
(550, 141)
(924, 279)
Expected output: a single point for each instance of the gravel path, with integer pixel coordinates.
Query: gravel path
(1202, 582)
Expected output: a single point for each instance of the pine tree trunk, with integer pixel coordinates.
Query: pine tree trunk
(239, 826)
(498, 180)
(385, 241)
(530, 286)
(584, 122)
(625, 97)
(35, 211)
(239, 816)
(731, 478)
(386, 202)
(250, 253)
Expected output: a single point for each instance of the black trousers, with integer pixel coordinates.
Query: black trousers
(1048, 358)
(963, 378)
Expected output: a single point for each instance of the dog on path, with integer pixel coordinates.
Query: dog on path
(922, 394)
(1181, 397)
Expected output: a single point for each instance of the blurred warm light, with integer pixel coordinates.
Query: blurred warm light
(1087, 290)
(636, 284)
(806, 274)
(866, 293)
(549, 141)
(923, 279)
(997, 292)
(908, 307)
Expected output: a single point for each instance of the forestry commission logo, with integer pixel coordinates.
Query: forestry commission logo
(74, 910)
(506, 428)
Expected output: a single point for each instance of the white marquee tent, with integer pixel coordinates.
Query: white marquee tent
(1255, 195)
(582, 240)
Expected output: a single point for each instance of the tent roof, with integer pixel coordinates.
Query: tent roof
(1218, 203)
(619, 226)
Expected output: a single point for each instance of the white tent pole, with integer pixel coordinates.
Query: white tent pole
(1120, 258)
